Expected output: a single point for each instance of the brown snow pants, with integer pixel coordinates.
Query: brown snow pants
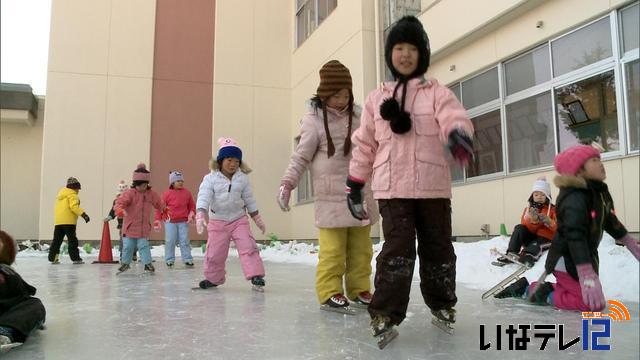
(402, 220)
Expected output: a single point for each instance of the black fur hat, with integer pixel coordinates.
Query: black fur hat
(409, 30)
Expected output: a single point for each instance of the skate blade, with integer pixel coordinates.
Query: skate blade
(505, 282)
(359, 306)
(385, 338)
(443, 325)
(342, 310)
(499, 263)
(257, 288)
(6, 347)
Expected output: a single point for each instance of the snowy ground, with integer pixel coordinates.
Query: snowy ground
(92, 314)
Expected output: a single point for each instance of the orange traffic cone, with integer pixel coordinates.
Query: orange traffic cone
(105, 257)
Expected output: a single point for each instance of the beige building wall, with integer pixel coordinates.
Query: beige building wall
(347, 35)
(98, 103)
(252, 96)
(485, 34)
(20, 160)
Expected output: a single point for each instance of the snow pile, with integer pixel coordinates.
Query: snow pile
(619, 271)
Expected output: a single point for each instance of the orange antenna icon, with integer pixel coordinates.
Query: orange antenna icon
(617, 311)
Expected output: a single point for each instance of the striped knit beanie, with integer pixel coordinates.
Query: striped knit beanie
(334, 77)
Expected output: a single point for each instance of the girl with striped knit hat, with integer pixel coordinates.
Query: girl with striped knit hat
(325, 149)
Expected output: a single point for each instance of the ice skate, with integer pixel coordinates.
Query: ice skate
(189, 264)
(149, 269)
(338, 303)
(257, 283)
(444, 319)
(204, 285)
(170, 265)
(515, 290)
(78, 262)
(362, 301)
(56, 260)
(383, 330)
(504, 283)
(123, 268)
(503, 260)
(7, 344)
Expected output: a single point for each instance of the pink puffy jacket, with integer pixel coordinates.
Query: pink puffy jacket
(138, 206)
(411, 165)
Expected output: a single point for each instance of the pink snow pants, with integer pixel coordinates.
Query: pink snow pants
(566, 293)
(220, 235)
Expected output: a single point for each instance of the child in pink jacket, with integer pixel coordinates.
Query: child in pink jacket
(135, 206)
(325, 148)
(406, 126)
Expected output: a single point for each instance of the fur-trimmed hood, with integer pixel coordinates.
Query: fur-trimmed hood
(213, 165)
(566, 181)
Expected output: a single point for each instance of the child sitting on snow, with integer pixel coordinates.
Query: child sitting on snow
(536, 229)
(20, 312)
(585, 211)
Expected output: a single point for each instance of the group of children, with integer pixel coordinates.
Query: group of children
(393, 154)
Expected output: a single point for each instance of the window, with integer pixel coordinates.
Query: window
(551, 98)
(530, 132)
(528, 70)
(456, 91)
(586, 110)
(304, 191)
(583, 47)
(630, 27)
(480, 89)
(487, 145)
(309, 15)
(632, 81)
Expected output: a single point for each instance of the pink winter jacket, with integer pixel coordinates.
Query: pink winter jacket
(411, 165)
(138, 206)
(328, 174)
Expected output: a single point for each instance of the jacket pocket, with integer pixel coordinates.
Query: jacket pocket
(432, 172)
(383, 130)
(425, 123)
(381, 178)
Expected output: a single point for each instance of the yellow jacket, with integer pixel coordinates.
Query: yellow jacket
(67, 207)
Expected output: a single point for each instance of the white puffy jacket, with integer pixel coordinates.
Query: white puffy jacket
(226, 199)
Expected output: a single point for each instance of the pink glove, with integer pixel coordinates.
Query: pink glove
(190, 218)
(284, 194)
(121, 213)
(157, 226)
(631, 244)
(259, 223)
(201, 222)
(592, 294)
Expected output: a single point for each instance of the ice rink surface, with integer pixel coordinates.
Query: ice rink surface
(94, 314)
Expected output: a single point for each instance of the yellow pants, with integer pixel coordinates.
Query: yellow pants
(344, 252)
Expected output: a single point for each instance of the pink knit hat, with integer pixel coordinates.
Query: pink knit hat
(141, 173)
(571, 160)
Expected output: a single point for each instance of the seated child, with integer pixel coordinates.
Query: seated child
(537, 226)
